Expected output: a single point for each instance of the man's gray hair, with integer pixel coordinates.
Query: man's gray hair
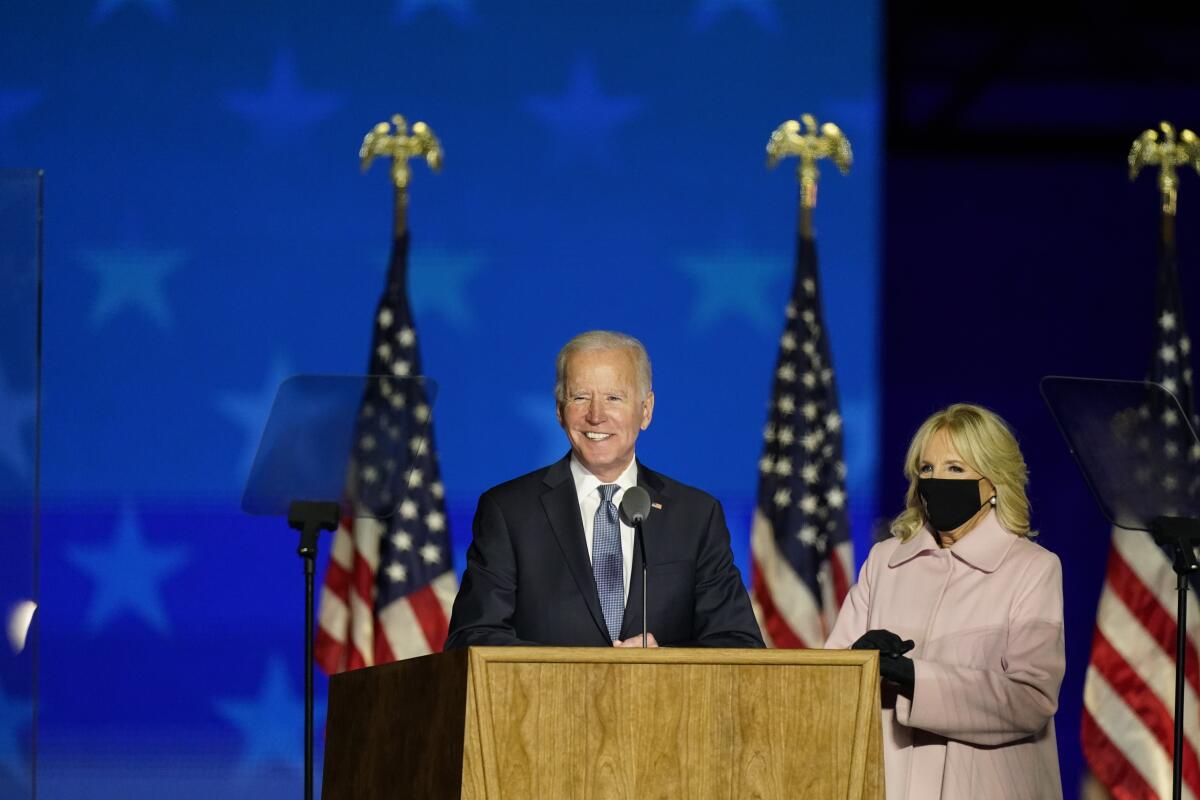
(602, 340)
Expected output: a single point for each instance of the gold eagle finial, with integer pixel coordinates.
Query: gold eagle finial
(1168, 152)
(810, 143)
(394, 140)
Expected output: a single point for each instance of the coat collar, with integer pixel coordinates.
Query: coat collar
(647, 478)
(562, 510)
(984, 548)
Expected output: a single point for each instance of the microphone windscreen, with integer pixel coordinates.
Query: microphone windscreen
(635, 505)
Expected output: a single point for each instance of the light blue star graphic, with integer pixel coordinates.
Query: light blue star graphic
(583, 119)
(250, 410)
(284, 107)
(15, 102)
(128, 573)
(132, 277)
(461, 11)
(438, 280)
(16, 717)
(17, 413)
(739, 284)
(163, 9)
(548, 442)
(761, 11)
(272, 722)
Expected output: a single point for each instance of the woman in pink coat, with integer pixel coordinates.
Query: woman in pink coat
(967, 614)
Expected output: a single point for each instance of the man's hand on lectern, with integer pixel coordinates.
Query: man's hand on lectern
(636, 641)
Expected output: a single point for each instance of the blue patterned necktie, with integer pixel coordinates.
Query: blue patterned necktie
(606, 560)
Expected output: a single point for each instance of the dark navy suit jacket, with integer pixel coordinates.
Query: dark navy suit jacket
(529, 576)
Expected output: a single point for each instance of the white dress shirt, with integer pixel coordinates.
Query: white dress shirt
(586, 489)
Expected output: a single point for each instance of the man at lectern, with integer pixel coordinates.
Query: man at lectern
(553, 562)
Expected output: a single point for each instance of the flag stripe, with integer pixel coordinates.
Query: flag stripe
(383, 650)
(429, 616)
(1146, 702)
(1143, 616)
(1110, 765)
(842, 567)
(1123, 727)
(774, 629)
(791, 611)
(403, 631)
(1153, 570)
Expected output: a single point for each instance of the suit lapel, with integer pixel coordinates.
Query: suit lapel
(562, 509)
(655, 522)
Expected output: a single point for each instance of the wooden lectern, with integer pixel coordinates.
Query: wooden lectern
(560, 723)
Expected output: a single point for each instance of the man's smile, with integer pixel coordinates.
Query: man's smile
(596, 436)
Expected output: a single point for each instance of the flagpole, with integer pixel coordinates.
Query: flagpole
(383, 140)
(809, 143)
(1162, 148)
(801, 489)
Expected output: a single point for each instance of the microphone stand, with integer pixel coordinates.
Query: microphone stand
(640, 544)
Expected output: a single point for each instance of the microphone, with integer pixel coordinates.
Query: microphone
(635, 506)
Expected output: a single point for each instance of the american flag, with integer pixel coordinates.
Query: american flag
(800, 540)
(1129, 690)
(390, 582)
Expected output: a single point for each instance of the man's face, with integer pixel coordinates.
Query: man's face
(603, 410)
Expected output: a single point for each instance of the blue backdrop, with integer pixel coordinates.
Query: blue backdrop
(208, 233)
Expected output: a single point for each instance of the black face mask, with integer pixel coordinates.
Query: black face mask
(948, 502)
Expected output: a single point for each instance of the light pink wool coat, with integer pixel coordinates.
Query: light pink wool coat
(987, 619)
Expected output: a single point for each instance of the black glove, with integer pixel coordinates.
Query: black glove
(899, 670)
(887, 643)
(893, 666)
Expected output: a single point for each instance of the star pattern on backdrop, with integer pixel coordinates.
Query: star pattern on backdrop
(249, 412)
(735, 284)
(461, 11)
(710, 12)
(132, 278)
(164, 10)
(271, 722)
(548, 442)
(16, 717)
(284, 106)
(16, 102)
(18, 411)
(127, 574)
(583, 119)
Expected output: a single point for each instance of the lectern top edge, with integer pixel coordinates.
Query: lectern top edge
(668, 655)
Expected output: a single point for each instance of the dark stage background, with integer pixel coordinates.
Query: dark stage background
(1015, 246)
(207, 233)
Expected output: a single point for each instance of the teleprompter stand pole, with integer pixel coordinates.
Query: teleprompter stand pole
(1181, 535)
(310, 518)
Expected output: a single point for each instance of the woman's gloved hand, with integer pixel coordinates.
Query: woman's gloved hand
(886, 642)
(900, 671)
(893, 666)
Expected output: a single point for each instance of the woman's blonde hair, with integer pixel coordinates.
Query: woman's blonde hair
(985, 443)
